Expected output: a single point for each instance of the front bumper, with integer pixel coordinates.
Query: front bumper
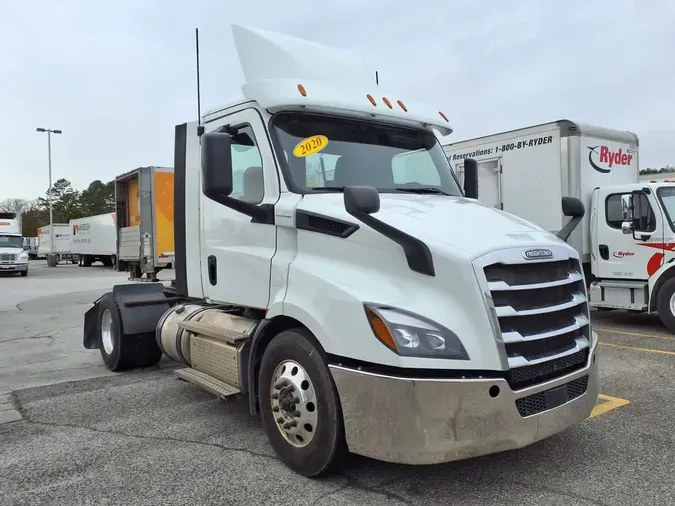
(13, 267)
(429, 421)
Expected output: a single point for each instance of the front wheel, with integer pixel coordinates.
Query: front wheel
(299, 405)
(665, 304)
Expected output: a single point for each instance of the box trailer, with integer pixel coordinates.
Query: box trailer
(144, 202)
(61, 242)
(94, 239)
(625, 239)
(527, 171)
(30, 246)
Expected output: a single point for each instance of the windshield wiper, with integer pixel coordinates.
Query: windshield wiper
(423, 190)
(328, 189)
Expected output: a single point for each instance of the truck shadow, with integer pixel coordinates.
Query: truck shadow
(618, 318)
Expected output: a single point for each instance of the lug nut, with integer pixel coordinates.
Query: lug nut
(275, 408)
(275, 396)
(280, 420)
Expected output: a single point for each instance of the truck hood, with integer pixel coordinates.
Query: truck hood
(16, 251)
(444, 222)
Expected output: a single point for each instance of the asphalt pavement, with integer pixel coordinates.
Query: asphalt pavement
(73, 433)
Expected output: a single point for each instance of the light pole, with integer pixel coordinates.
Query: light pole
(51, 257)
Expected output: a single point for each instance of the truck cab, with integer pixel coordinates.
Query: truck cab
(633, 240)
(330, 268)
(13, 257)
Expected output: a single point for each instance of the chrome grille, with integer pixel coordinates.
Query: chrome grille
(541, 313)
(7, 257)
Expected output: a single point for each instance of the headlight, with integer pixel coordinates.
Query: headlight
(23, 256)
(413, 335)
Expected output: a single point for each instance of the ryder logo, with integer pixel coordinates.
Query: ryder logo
(608, 158)
(622, 254)
(81, 228)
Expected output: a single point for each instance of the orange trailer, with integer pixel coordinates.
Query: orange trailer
(145, 242)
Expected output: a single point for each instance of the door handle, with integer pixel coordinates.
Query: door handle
(212, 266)
(604, 251)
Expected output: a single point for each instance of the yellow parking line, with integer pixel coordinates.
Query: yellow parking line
(638, 334)
(609, 404)
(637, 348)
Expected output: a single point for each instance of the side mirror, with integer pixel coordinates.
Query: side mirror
(627, 227)
(573, 207)
(361, 200)
(470, 178)
(216, 164)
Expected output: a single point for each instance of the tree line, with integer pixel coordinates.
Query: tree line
(662, 170)
(67, 204)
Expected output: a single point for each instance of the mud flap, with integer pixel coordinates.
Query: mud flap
(141, 318)
(91, 330)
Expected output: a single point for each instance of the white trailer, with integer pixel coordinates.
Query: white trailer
(626, 236)
(358, 298)
(94, 239)
(61, 242)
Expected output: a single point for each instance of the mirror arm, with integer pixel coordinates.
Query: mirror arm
(569, 227)
(263, 213)
(417, 253)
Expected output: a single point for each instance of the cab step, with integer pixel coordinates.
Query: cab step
(209, 383)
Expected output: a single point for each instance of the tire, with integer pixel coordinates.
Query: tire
(119, 351)
(324, 448)
(79, 261)
(664, 306)
(24, 273)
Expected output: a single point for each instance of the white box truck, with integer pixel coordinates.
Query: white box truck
(626, 240)
(13, 257)
(94, 239)
(364, 308)
(61, 242)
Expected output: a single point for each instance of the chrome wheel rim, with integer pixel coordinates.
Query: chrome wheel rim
(293, 401)
(107, 331)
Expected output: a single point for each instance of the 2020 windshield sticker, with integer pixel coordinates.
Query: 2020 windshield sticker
(310, 146)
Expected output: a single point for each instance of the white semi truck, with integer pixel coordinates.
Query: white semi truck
(364, 308)
(13, 258)
(94, 239)
(626, 240)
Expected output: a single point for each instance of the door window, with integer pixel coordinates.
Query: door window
(614, 211)
(247, 172)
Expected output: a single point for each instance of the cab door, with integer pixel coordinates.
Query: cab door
(622, 252)
(236, 251)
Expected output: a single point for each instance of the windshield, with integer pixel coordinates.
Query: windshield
(666, 196)
(11, 241)
(327, 153)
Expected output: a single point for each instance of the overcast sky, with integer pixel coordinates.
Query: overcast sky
(117, 76)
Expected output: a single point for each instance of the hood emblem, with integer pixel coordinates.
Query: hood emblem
(537, 254)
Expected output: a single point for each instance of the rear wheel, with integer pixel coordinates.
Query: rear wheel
(300, 406)
(123, 351)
